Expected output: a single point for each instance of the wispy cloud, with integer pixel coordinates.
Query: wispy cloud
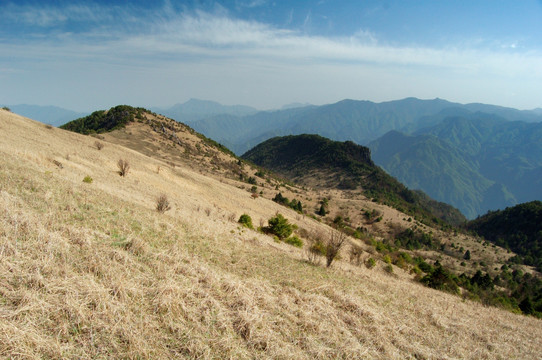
(165, 38)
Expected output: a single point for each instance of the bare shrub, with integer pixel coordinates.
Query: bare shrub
(58, 164)
(124, 167)
(355, 254)
(99, 145)
(335, 241)
(231, 217)
(162, 204)
(208, 211)
(316, 249)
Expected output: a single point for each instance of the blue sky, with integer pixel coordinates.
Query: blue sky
(91, 55)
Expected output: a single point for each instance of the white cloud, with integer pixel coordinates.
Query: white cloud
(220, 54)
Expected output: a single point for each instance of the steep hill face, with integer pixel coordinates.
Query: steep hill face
(476, 162)
(157, 136)
(518, 228)
(305, 158)
(89, 268)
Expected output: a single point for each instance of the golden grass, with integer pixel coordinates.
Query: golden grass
(94, 271)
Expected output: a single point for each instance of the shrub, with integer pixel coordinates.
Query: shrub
(246, 220)
(87, 180)
(162, 203)
(370, 263)
(389, 268)
(355, 254)
(6, 108)
(441, 279)
(99, 145)
(316, 248)
(335, 242)
(123, 166)
(280, 226)
(295, 241)
(322, 211)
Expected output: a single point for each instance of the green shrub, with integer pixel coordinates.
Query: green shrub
(295, 241)
(280, 226)
(87, 180)
(246, 220)
(387, 259)
(322, 211)
(370, 263)
(389, 268)
(318, 247)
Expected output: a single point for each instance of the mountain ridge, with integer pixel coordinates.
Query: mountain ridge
(299, 156)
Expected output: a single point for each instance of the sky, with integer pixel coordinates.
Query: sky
(89, 55)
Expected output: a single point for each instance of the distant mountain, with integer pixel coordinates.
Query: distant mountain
(358, 121)
(195, 109)
(52, 115)
(295, 105)
(307, 158)
(518, 228)
(476, 162)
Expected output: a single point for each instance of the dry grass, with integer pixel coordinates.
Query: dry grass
(96, 272)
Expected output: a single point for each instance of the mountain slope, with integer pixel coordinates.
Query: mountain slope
(344, 165)
(445, 172)
(92, 270)
(518, 228)
(476, 162)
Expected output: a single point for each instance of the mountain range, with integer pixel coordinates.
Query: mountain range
(476, 157)
(196, 109)
(52, 115)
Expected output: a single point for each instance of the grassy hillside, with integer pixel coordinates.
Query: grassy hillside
(298, 156)
(90, 269)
